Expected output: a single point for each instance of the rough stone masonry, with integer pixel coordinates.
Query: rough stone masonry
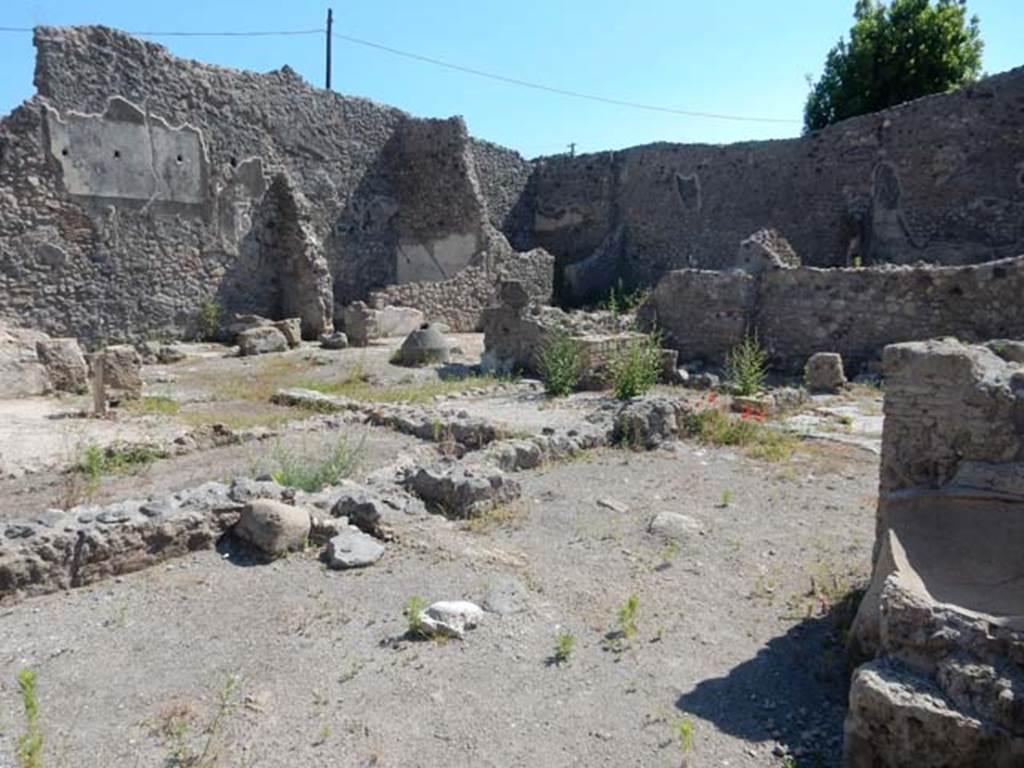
(136, 188)
(943, 618)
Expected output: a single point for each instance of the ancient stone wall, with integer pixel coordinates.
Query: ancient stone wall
(943, 617)
(856, 312)
(131, 184)
(135, 188)
(460, 301)
(940, 179)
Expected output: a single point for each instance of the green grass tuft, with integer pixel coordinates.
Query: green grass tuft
(715, 427)
(311, 473)
(159, 405)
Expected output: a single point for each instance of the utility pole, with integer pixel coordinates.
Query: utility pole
(572, 149)
(330, 24)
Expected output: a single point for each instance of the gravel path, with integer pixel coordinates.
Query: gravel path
(727, 641)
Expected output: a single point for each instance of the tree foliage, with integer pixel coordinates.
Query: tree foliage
(897, 51)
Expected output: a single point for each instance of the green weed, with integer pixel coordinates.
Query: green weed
(414, 607)
(715, 427)
(560, 363)
(627, 617)
(117, 459)
(208, 320)
(158, 405)
(29, 746)
(312, 473)
(684, 736)
(621, 301)
(191, 747)
(565, 642)
(636, 369)
(747, 366)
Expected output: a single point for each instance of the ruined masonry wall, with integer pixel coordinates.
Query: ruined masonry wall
(460, 302)
(939, 179)
(856, 312)
(119, 219)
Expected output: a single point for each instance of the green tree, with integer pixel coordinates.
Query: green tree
(897, 51)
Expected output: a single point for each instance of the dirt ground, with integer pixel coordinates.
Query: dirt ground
(736, 658)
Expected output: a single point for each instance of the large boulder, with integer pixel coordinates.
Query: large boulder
(273, 527)
(122, 371)
(261, 340)
(353, 549)
(334, 340)
(900, 719)
(363, 324)
(291, 329)
(426, 345)
(65, 364)
(461, 491)
(648, 422)
(21, 373)
(824, 373)
(243, 322)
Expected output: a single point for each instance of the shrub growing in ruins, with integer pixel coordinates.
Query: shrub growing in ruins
(208, 320)
(621, 301)
(560, 363)
(897, 51)
(747, 366)
(636, 369)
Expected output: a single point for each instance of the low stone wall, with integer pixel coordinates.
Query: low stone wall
(460, 301)
(943, 617)
(855, 312)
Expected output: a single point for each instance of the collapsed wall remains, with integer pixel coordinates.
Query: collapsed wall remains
(798, 311)
(943, 617)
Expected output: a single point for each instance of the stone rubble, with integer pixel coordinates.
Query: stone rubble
(273, 527)
(261, 340)
(824, 374)
(353, 549)
(450, 618)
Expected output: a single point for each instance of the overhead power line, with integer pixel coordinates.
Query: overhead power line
(269, 33)
(553, 89)
(459, 68)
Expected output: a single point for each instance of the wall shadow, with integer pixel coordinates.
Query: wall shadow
(794, 691)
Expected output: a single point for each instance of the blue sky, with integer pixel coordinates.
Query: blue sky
(744, 57)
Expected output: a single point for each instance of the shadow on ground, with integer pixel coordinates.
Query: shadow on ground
(792, 692)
